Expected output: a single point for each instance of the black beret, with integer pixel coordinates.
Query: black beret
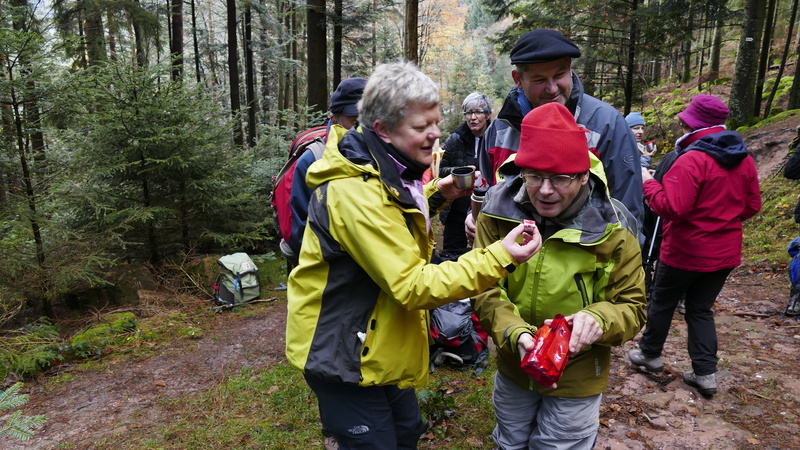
(542, 45)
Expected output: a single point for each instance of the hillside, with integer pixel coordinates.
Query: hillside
(130, 402)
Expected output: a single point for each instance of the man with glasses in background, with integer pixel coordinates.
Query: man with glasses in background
(589, 269)
(461, 149)
(543, 74)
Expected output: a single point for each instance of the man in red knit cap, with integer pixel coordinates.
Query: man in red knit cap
(589, 269)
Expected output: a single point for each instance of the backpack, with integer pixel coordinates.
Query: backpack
(458, 339)
(282, 183)
(793, 307)
(238, 280)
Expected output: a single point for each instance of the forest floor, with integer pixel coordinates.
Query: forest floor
(757, 405)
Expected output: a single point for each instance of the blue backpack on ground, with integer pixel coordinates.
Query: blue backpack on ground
(793, 307)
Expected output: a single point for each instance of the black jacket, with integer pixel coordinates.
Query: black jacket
(459, 150)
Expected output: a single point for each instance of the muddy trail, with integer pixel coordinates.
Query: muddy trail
(757, 405)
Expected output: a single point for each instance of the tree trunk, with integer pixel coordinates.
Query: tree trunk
(794, 91)
(337, 42)
(686, 55)
(590, 65)
(763, 62)
(412, 37)
(138, 39)
(631, 63)
(250, 77)
(741, 98)
(176, 40)
(317, 56)
(212, 58)
(198, 74)
(233, 69)
(716, 50)
(784, 57)
(95, 37)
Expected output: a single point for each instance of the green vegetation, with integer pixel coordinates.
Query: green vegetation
(767, 235)
(15, 424)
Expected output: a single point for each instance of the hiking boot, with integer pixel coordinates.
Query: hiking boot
(793, 310)
(706, 384)
(681, 308)
(650, 364)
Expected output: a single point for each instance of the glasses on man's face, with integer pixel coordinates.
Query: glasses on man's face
(469, 114)
(557, 181)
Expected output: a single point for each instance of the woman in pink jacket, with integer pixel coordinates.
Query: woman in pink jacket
(711, 188)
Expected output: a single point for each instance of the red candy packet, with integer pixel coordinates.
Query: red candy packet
(546, 362)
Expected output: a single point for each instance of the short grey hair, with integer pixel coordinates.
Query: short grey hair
(477, 100)
(391, 89)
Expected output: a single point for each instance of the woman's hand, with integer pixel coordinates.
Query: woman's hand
(646, 174)
(531, 243)
(451, 192)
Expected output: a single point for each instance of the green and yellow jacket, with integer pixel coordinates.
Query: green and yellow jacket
(591, 263)
(358, 300)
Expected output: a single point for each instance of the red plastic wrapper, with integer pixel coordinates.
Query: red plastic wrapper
(546, 362)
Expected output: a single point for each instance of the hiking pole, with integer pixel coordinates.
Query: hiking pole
(653, 240)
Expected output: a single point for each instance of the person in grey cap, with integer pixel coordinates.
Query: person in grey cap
(543, 74)
(343, 111)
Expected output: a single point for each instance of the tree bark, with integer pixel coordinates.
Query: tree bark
(95, 37)
(784, 57)
(631, 63)
(412, 37)
(317, 56)
(233, 69)
(742, 94)
(176, 39)
(763, 62)
(198, 74)
(337, 42)
(250, 77)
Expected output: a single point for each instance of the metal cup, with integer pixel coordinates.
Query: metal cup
(463, 177)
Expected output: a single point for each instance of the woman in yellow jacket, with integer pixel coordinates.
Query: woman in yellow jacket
(359, 298)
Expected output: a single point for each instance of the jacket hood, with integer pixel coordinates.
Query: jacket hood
(592, 221)
(726, 147)
(347, 154)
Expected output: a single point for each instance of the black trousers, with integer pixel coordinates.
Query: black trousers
(453, 237)
(373, 417)
(701, 290)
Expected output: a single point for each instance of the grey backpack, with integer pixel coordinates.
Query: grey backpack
(238, 280)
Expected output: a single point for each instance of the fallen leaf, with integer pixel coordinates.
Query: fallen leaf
(160, 383)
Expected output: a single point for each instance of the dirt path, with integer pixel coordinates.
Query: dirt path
(757, 405)
(130, 394)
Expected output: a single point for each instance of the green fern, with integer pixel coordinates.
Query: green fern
(29, 350)
(16, 425)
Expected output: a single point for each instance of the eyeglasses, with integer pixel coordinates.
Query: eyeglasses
(469, 114)
(557, 181)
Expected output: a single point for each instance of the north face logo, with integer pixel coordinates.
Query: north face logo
(358, 429)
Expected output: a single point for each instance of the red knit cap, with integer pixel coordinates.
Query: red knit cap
(551, 141)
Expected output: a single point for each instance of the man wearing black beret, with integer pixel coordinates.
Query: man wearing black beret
(543, 74)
